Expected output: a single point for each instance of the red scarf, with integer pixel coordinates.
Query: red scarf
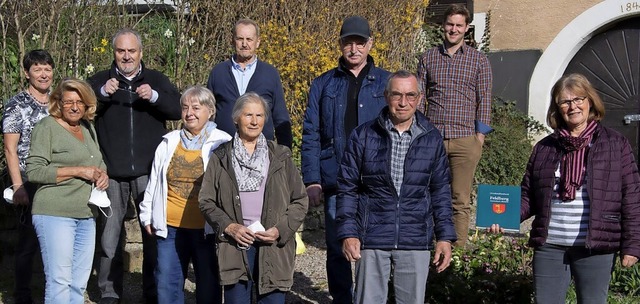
(572, 164)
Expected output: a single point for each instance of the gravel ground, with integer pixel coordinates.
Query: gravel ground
(310, 283)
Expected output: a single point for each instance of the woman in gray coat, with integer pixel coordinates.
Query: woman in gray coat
(253, 195)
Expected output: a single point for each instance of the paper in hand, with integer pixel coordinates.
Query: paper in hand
(256, 227)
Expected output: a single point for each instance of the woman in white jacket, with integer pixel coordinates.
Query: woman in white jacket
(170, 207)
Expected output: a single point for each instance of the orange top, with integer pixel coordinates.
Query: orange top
(184, 179)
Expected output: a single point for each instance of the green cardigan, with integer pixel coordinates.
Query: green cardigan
(53, 147)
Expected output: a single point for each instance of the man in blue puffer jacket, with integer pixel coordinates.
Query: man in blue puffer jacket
(339, 100)
(393, 194)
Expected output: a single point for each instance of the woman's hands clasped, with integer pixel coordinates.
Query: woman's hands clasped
(245, 237)
(241, 234)
(95, 175)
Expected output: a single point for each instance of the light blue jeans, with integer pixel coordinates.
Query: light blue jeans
(67, 246)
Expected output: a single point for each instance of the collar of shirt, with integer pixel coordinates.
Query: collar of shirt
(460, 50)
(414, 130)
(242, 76)
(365, 71)
(130, 77)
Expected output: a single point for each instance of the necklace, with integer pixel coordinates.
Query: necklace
(38, 101)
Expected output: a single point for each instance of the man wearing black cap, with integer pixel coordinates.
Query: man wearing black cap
(339, 100)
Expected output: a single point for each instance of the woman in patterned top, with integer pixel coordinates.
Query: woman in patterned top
(170, 207)
(21, 113)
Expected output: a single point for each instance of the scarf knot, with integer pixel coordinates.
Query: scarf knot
(192, 141)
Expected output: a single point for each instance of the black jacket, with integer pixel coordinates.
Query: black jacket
(130, 128)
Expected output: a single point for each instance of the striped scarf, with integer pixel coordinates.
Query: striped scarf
(572, 163)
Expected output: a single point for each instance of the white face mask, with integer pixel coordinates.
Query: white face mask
(8, 194)
(100, 199)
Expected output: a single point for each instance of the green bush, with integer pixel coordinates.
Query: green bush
(507, 148)
(494, 269)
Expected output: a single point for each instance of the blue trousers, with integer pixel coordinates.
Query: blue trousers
(338, 268)
(180, 247)
(241, 292)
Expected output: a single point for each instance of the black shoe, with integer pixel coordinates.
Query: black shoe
(109, 300)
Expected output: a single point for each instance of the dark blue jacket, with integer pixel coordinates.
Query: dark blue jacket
(264, 82)
(368, 206)
(323, 135)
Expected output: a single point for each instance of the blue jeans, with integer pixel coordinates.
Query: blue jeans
(553, 267)
(241, 292)
(174, 254)
(67, 246)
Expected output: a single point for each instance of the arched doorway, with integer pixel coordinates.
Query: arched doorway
(556, 57)
(611, 61)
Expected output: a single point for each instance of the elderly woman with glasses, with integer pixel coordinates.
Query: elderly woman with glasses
(170, 211)
(582, 186)
(253, 193)
(65, 161)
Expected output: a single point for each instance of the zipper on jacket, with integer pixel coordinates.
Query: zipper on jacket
(589, 169)
(131, 143)
(396, 237)
(553, 183)
(390, 181)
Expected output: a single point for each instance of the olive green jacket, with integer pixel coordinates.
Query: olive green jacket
(285, 206)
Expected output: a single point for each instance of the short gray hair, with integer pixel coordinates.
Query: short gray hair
(203, 96)
(125, 31)
(242, 101)
(401, 74)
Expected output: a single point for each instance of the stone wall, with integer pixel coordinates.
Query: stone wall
(529, 24)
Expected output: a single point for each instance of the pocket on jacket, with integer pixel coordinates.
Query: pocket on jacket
(378, 94)
(612, 217)
(328, 166)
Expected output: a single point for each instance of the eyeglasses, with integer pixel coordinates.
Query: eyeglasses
(411, 96)
(359, 43)
(70, 103)
(578, 101)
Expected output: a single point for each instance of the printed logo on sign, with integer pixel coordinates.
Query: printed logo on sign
(499, 208)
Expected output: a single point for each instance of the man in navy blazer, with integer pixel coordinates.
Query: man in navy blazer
(242, 73)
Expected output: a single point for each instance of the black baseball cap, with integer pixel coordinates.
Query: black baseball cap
(355, 26)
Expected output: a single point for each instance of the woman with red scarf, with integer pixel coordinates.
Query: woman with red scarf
(582, 186)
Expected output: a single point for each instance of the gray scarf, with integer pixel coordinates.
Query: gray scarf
(250, 169)
(195, 142)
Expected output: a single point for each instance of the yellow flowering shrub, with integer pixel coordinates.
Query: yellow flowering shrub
(300, 38)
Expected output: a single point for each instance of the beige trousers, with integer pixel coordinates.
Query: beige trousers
(464, 154)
